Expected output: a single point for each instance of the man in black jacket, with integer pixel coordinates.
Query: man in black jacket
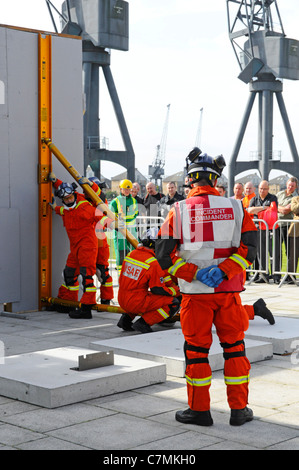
(151, 199)
(166, 202)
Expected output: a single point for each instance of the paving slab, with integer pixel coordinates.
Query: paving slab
(167, 347)
(48, 379)
(283, 334)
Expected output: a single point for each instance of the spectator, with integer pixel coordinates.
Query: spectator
(284, 199)
(151, 199)
(294, 237)
(167, 201)
(249, 191)
(221, 189)
(135, 191)
(264, 206)
(238, 191)
(187, 188)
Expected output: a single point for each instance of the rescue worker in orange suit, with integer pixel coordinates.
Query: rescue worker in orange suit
(79, 219)
(142, 289)
(102, 264)
(207, 242)
(259, 308)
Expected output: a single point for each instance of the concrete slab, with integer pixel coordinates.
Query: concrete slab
(283, 334)
(46, 378)
(167, 347)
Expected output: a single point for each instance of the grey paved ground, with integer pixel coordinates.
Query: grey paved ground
(143, 419)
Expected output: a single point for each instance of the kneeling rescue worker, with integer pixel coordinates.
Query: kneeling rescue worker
(207, 242)
(143, 289)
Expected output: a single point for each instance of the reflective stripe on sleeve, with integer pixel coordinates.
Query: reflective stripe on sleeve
(178, 264)
(240, 260)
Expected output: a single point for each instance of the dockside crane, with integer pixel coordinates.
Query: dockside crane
(199, 130)
(156, 170)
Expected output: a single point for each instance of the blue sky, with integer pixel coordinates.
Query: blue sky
(179, 53)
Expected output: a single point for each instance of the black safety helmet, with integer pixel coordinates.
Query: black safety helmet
(148, 238)
(202, 166)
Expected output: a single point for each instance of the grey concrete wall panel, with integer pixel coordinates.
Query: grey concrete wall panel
(4, 173)
(9, 255)
(19, 145)
(67, 133)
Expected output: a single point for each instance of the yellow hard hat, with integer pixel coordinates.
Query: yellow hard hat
(126, 184)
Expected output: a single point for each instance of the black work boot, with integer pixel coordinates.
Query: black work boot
(83, 312)
(141, 326)
(63, 308)
(239, 417)
(201, 418)
(105, 302)
(125, 322)
(261, 310)
(173, 311)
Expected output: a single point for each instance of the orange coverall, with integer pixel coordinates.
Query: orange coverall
(140, 274)
(200, 310)
(70, 292)
(80, 224)
(103, 255)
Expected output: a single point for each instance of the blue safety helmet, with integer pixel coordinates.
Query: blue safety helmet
(101, 184)
(65, 189)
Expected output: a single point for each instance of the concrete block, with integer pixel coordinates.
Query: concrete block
(282, 334)
(46, 378)
(167, 347)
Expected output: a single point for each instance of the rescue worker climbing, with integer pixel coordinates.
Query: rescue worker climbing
(143, 289)
(102, 264)
(208, 241)
(126, 206)
(79, 219)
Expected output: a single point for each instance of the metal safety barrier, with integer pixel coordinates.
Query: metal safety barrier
(276, 250)
(277, 253)
(260, 266)
(286, 248)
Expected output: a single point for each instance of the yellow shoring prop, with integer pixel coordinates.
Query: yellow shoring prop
(98, 307)
(72, 303)
(89, 191)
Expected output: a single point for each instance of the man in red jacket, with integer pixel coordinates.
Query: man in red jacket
(143, 289)
(207, 242)
(79, 219)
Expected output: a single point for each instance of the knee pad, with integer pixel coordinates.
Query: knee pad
(174, 307)
(230, 355)
(199, 349)
(87, 280)
(69, 276)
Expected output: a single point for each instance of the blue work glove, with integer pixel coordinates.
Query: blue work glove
(52, 177)
(53, 204)
(211, 276)
(201, 272)
(84, 180)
